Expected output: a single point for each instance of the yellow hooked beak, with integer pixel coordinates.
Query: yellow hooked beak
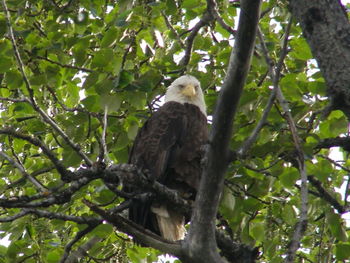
(189, 91)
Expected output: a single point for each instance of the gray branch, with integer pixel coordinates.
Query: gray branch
(201, 240)
(326, 28)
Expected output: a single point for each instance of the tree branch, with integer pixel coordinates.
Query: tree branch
(201, 238)
(31, 99)
(63, 65)
(343, 142)
(133, 229)
(35, 141)
(205, 19)
(326, 196)
(326, 28)
(212, 8)
(20, 167)
(77, 237)
(13, 99)
(52, 215)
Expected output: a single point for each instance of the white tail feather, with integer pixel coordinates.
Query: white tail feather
(171, 224)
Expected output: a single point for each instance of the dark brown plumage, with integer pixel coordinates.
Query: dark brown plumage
(169, 146)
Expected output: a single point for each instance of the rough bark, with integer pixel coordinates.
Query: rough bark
(201, 243)
(327, 30)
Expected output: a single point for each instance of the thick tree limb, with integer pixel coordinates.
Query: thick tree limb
(201, 242)
(326, 27)
(343, 142)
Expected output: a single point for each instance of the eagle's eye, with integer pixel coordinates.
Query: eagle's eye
(196, 87)
(181, 86)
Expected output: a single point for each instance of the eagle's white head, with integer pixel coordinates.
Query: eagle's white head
(186, 89)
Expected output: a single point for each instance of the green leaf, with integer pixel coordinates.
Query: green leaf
(132, 131)
(342, 251)
(288, 214)
(300, 49)
(289, 176)
(110, 37)
(102, 57)
(336, 226)
(70, 157)
(227, 201)
(105, 196)
(112, 102)
(53, 256)
(103, 230)
(91, 103)
(257, 231)
(5, 63)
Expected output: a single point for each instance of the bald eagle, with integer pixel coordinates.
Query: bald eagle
(169, 146)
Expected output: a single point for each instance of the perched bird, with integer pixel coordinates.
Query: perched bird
(169, 147)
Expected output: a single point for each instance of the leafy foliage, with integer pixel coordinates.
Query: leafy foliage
(83, 57)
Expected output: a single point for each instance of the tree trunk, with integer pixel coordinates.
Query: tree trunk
(326, 28)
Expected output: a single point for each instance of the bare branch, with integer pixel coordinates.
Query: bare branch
(52, 215)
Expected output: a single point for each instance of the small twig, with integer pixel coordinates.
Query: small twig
(65, 65)
(19, 166)
(35, 141)
(264, 169)
(77, 237)
(172, 29)
(104, 134)
(13, 99)
(15, 49)
(212, 8)
(335, 163)
(34, 174)
(254, 135)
